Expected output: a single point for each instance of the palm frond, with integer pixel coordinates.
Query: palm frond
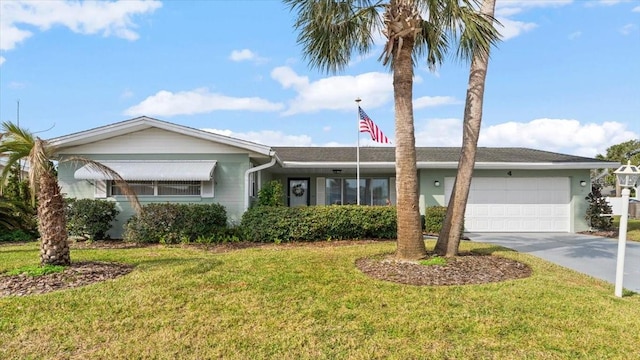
(109, 173)
(455, 22)
(331, 30)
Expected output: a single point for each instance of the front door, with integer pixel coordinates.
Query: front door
(298, 192)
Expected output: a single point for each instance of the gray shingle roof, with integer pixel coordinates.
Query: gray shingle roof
(425, 154)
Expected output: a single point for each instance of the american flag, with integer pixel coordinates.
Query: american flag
(367, 125)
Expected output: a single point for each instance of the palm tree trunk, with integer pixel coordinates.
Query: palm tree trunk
(54, 249)
(410, 242)
(449, 239)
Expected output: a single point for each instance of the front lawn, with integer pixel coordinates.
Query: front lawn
(633, 228)
(310, 302)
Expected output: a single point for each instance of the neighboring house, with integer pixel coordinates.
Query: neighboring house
(514, 189)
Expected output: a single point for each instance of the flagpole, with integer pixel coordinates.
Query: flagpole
(358, 154)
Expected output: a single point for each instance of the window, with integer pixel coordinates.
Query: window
(161, 188)
(373, 191)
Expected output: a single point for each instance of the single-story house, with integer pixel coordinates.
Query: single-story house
(513, 189)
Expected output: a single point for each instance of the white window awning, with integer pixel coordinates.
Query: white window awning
(149, 170)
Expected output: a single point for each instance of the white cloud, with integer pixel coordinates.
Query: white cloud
(628, 29)
(334, 93)
(512, 28)
(126, 94)
(569, 136)
(246, 55)
(197, 101)
(606, 2)
(439, 132)
(433, 101)
(636, 9)
(88, 17)
(574, 35)
(2, 60)
(268, 137)
(507, 9)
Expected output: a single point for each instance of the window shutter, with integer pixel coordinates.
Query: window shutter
(207, 189)
(100, 189)
(392, 190)
(320, 190)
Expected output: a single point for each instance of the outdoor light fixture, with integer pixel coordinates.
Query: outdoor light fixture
(337, 171)
(583, 183)
(436, 183)
(627, 177)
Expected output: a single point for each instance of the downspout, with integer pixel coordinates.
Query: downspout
(252, 170)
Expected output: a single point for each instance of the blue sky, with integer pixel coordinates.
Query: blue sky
(565, 78)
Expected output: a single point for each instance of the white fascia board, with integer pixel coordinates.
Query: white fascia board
(332, 165)
(521, 165)
(141, 123)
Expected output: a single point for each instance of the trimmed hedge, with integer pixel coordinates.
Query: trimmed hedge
(282, 224)
(90, 218)
(434, 219)
(176, 223)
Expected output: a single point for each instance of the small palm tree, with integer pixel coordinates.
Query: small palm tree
(331, 30)
(17, 144)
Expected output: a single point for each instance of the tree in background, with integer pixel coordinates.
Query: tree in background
(628, 150)
(332, 30)
(17, 197)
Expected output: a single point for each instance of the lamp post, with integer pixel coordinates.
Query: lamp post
(627, 177)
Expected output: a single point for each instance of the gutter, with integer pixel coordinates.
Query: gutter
(273, 161)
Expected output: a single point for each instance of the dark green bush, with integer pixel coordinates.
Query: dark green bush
(90, 218)
(434, 218)
(278, 224)
(176, 223)
(598, 206)
(16, 235)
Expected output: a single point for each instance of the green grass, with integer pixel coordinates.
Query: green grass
(436, 260)
(285, 302)
(36, 270)
(633, 228)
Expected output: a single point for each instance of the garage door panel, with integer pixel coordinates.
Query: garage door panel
(517, 204)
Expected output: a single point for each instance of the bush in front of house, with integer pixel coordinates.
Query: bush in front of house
(271, 194)
(599, 211)
(90, 218)
(176, 223)
(434, 218)
(312, 223)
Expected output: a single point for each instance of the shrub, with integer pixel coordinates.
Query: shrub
(598, 206)
(434, 218)
(176, 223)
(90, 218)
(271, 194)
(277, 224)
(16, 235)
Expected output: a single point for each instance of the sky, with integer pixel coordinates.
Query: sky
(565, 77)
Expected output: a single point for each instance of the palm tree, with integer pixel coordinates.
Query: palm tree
(18, 144)
(330, 30)
(449, 238)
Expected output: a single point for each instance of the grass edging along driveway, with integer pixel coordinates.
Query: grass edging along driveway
(309, 302)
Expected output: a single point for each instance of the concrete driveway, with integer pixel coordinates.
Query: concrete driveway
(591, 255)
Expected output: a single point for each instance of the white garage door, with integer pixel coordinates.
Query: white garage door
(516, 204)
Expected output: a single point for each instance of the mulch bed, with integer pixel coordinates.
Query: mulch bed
(468, 268)
(76, 275)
